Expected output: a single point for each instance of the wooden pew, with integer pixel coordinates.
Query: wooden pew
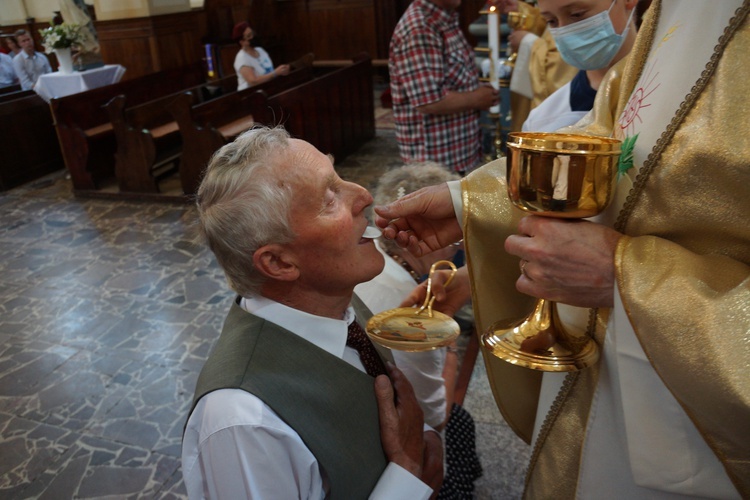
(205, 127)
(149, 145)
(337, 120)
(10, 88)
(28, 145)
(10, 96)
(85, 132)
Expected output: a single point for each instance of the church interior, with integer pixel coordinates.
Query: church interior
(108, 306)
(111, 307)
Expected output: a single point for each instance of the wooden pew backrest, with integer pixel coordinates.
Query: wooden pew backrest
(335, 112)
(28, 145)
(11, 96)
(85, 131)
(207, 126)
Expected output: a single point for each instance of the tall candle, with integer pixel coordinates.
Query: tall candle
(494, 44)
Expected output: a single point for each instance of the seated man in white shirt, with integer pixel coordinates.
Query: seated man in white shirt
(29, 64)
(283, 407)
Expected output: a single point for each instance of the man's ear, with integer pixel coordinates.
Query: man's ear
(276, 262)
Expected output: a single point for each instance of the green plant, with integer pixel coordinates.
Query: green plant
(61, 36)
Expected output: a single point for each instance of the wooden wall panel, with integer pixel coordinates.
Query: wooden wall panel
(282, 28)
(176, 47)
(222, 15)
(127, 42)
(332, 29)
(469, 12)
(387, 14)
(342, 29)
(148, 44)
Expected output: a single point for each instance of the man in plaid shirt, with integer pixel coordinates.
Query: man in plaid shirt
(435, 87)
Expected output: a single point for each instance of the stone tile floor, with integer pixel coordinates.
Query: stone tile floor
(107, 312)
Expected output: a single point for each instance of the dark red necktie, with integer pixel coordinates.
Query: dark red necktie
(358, 339)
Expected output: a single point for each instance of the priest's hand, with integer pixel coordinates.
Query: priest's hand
(447, 300)
(401, 421)
(568, 261)
(422, 221)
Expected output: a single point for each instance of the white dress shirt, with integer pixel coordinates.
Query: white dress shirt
(7, 72)
(235, 446)
(29, 68)
(554, 113)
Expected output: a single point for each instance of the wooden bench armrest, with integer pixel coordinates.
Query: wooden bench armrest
(164, 129)
(99, 130)
(234, 128)
(305, 61)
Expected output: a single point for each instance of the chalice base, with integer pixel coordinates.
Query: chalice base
(540, 342)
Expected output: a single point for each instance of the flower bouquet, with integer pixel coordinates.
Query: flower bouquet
(60, 38)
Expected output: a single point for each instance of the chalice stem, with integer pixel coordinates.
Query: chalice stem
(542, 327)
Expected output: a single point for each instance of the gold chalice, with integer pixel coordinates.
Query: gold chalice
(518, 21)
(554, 175)
(412, 329)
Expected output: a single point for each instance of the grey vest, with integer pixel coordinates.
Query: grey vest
(329, 403)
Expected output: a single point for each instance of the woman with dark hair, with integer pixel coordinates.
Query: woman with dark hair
(252, 64)
(12, 44)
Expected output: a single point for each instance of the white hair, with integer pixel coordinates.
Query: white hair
(242, 205)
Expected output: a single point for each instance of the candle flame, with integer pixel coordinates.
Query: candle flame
(492, 9)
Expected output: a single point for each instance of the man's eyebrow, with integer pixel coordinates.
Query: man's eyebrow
(331, 180)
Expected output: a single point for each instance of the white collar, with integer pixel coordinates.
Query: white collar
(327, 333)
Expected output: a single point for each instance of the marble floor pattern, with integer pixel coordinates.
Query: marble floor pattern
(107, 311)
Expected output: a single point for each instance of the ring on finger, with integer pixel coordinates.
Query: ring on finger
(522, 265)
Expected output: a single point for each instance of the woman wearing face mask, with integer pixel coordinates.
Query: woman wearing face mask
(592, 36)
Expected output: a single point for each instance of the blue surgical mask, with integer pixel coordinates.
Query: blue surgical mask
(591, 43)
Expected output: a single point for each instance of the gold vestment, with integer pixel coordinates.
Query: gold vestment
(547, 69)
(683, 269)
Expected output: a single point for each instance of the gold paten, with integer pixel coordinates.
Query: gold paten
(411, 329)
(538, 184)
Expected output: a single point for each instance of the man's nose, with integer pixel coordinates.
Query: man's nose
(361, 198)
